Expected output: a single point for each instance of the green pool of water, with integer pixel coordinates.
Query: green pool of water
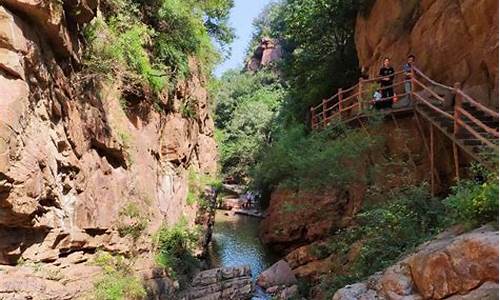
(235, 242)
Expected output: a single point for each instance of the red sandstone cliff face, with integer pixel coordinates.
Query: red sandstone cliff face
(451, 266)
(454, 41)
(72, 159)
(267, 52)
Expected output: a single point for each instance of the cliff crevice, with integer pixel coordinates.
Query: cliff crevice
(80, 164)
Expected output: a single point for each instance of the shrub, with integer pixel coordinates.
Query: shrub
(118, 282)
(475, 202)
(310, 161)
(197, 183)
(117, 46)
(175, 247)
(386, 232)
(137, 221)
(150, 42)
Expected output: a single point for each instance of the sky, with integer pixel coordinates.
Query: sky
(242, 15)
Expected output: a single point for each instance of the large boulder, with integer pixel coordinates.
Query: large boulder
(448, 267)
(451, 267)
(278, 274)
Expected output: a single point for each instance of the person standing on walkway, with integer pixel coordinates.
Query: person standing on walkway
(387, 74)
(407, 69)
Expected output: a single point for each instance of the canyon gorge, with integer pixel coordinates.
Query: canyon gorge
(102, 171)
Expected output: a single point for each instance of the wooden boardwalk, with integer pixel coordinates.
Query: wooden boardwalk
(471, 126)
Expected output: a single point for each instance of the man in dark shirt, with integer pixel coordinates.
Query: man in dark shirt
(387, 74)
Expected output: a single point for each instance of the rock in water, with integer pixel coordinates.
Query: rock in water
(278, 274)
(222, 283)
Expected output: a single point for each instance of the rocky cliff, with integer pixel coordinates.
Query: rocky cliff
(83, 167)
(452, 266)
(454, 41)
(299, 224)
(267, 51)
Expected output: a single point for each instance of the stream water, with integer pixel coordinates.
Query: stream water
(235, 242)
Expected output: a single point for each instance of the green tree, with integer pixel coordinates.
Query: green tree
(247, 105)
(150, 42)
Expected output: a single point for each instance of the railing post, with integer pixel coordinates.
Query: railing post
(360, 94)
(311, 110)
(457, 106)
(324, 113)
(412, 84)
(340, 103)
(456, 127)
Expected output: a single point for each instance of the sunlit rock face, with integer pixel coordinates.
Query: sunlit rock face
(72, 159)
(267, 52)
(454, 41)
(451, 266)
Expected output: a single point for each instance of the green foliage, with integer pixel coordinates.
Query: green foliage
(117, 283)
(475, 202)
(390, 229)
(187, 110)
(116, 46)
(197, 185)
(268, 24)
(247, 104)
(305, 161)
(150, 42)
(386, 232)
(320, 53)
(136, 222)
(175, 247)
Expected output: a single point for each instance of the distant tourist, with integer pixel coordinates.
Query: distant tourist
(214, 193)
(386, 82)
(407, 69)
(248, 198)
(377, 99)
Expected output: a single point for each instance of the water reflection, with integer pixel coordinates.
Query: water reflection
(235, 242)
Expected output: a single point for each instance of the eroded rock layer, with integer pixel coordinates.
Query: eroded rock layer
(450, 267)
(78, 168)
(222, 283)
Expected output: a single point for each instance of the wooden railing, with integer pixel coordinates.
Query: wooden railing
(462, 118)
(352, 101)
(355, 100)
